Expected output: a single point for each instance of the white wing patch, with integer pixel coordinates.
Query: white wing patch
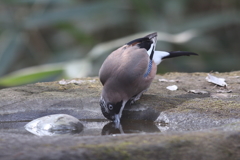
(158, 55)
(150, 50)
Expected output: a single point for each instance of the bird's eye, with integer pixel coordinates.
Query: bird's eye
(110, 107)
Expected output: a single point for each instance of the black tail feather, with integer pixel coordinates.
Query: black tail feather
(179, 53)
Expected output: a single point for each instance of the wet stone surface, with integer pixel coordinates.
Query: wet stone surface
(55, 124)
(199, 120)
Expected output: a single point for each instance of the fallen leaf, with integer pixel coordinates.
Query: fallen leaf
(218, 81)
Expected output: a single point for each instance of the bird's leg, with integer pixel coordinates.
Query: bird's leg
(119, 127)
(137, 97)
(117, 124)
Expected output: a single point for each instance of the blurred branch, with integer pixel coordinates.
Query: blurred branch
(179, 38)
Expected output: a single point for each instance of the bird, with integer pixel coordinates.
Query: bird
(128, 72)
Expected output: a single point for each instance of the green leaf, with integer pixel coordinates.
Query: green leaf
(31, 75)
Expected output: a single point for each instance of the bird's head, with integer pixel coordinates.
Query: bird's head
(112, 111)
(148, 42)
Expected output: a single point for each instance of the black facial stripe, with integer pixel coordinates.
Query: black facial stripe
(110, 114)
(116, 107)
(145, 44)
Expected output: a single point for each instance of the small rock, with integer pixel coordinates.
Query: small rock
(166, 80)
(56, 124)
(64, 82)
(224, 91)
(222, 95)
(172, 88)
(197, 92)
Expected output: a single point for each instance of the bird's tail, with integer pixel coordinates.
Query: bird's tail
(160, 55)
(179, 53)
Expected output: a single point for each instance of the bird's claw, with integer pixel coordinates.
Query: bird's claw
(132, 101)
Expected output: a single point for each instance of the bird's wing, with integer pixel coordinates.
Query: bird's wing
(123, 67)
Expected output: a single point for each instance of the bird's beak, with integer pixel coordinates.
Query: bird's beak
(117, 119)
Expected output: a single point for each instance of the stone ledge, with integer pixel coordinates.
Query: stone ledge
(199, 126)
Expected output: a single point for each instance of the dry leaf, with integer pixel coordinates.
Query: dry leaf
(218, 81)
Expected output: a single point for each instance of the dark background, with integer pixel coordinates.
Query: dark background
(46, 40)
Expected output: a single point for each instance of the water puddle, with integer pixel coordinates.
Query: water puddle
(62, 124)
(89, 128)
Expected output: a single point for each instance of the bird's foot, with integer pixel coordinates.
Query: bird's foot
(137, 97)
(132, 101)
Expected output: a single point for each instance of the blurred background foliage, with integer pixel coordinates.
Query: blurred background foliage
(46, 40)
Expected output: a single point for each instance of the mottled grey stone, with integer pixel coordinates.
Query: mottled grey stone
(187, 125)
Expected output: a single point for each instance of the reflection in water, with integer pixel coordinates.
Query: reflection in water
(139, 113)
(135, 119)
(130, 127)
(62, 124)
(84, 128)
